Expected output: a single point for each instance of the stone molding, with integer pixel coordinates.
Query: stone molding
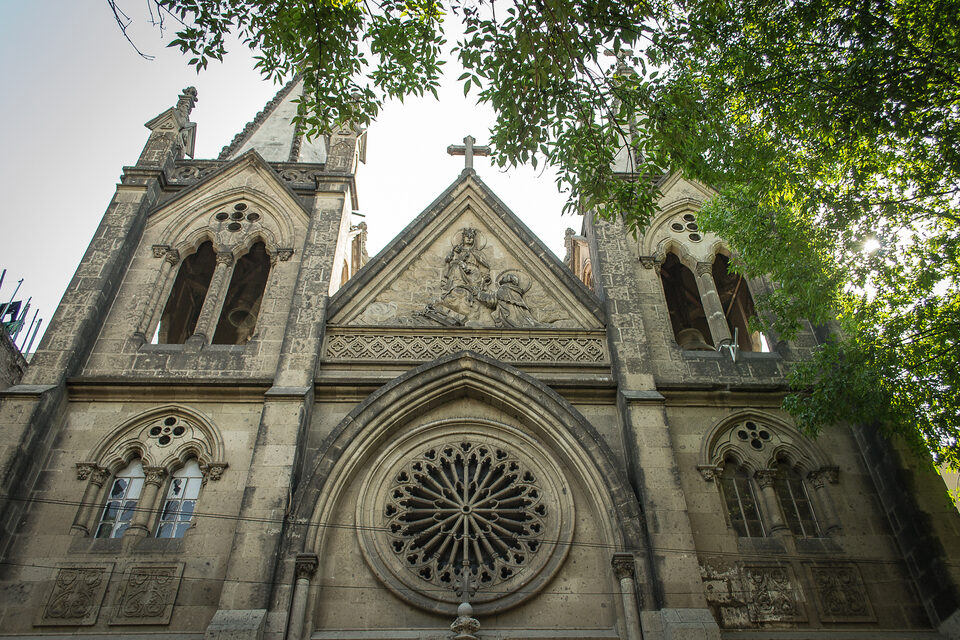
(425, 345)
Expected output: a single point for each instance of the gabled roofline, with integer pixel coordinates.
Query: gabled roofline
(251, 157)
(248, 130)
(396, 246)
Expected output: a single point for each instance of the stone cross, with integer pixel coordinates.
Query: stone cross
(468, 151)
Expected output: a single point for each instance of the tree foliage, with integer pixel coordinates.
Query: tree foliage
(829, 130)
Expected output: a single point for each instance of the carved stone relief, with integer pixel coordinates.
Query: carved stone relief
(773, 592)
(471, 284)
(745, 596)
(76, 595)
(840, 593)
(147, 594)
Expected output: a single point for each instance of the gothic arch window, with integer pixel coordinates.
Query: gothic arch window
(687, 317)
(121, 503)
(179, 318)
(740, 499)
(164, 456)
(737, 303)
(181, 501)
(783, 475)
(795, 501)
(241, 305)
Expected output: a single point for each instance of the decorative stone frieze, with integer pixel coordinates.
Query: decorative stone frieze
(425, 345)
(774, 595)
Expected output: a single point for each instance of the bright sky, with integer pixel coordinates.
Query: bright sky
(77, 96)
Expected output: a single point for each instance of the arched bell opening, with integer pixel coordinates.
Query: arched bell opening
(241, 306)
(687, 317)
(737, 304)
(180, 315)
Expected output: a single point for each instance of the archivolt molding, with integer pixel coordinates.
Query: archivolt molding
(547, 421)
(198, 222)
(165, 437)
(758, 440)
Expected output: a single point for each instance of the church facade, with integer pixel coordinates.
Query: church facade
(238, 426)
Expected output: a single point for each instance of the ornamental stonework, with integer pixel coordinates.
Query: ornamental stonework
(148, 594)
(471, 504)
(774, 596)
(76, 595)
(425, 346)
(840, 593)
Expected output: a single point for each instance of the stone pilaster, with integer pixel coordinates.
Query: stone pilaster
(304, 568)
(95, 477)
(147, 504)
(824, 501)
(716, 319)
(623, 569)
(150, 314)
(771, 506)
(213, 303)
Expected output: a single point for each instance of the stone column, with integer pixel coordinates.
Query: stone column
(623, 568)
(305, 567)
(719, 328)
(151, 313)
(95, 477)
(827, 509)
(146, 505)
(765, 479)
(213, 303)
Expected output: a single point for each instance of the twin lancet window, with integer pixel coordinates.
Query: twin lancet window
(176, 515)
(708, 307)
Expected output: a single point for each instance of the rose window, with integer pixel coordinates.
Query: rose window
(464, 504)
(458, 496)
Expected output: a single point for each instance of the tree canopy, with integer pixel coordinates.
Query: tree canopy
(829, 130)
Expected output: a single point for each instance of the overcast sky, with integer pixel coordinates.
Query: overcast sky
(76, 96)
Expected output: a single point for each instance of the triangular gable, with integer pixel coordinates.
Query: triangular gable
(250, 177)
(438, 273)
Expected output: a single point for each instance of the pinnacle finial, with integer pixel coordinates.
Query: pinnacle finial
(188, 98)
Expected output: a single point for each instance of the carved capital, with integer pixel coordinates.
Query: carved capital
(284, 254)
(154, 475)
(648, 262)
(85, 469)
(832, 474)
(160, 250)
(225, 258)
(704, 268)
(709, 472)
(213, 471)
(766, 477)
(623, 565)
(172, 256)
(306, 565)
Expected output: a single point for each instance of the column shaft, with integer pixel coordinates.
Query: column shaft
(96, 476)
(765, 479)
(151, 313)
(146, 505)
(719, 328)
(213, 303)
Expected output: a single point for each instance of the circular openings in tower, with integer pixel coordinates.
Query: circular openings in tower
(223, 215)
(234, 226)
(170, 421)
(155, 431)
(689, 217)
(253, 217)
(237, 215)
(164, 440)
(695, 237)
(692, 226)
(239, 207)
(757, 436)
(676, 226)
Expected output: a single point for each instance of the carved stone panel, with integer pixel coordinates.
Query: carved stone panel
(76, 595)
(840, 593)
(773, 594)
(147, 594)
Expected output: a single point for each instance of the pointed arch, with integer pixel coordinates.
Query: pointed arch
(538, 416)
(757, 440)
(199, 439)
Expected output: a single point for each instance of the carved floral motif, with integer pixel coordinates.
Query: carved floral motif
(773, 594)
(76, 595)
(148, 594)
(841, 596)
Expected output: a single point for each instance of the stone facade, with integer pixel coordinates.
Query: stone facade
(236, 427)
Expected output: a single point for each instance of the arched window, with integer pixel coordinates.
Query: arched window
(121, 501)
(795, 502)
(179, 318)
(737, 304)
(181, 501)
(687, 317)
(241, 306)
(741, 500)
